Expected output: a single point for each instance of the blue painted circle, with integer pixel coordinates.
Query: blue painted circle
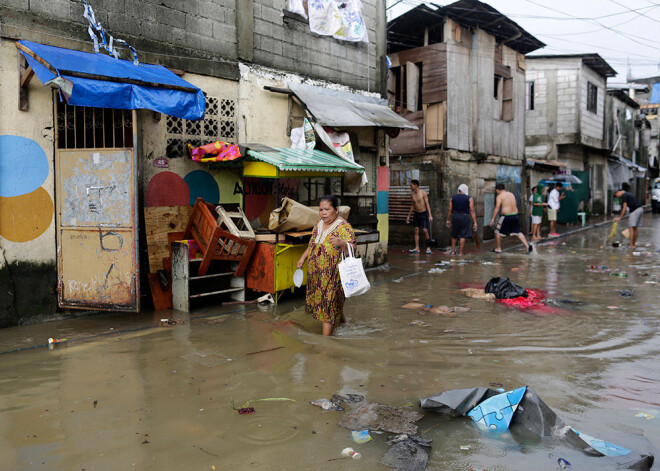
(202, 185)
(23, 166)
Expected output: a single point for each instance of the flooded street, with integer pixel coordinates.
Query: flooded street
(128, 394)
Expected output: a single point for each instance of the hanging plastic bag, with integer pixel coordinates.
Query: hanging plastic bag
(351, 272)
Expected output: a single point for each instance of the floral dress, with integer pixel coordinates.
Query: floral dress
(325, 295)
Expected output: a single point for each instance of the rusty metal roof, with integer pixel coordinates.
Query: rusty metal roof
(343, 109)
(406, 31)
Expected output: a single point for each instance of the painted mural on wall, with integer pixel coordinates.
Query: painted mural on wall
(167, 188)
(26, 209)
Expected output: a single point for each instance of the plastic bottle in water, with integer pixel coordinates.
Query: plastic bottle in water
(351, 453)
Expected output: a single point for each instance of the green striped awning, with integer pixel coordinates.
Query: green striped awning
(303, 160)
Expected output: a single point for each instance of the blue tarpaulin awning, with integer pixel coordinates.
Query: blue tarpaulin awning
(99, 80)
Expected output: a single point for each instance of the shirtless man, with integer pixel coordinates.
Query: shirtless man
(420, 210)
(508, 224)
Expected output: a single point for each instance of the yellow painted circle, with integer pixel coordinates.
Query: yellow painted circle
(26, 217)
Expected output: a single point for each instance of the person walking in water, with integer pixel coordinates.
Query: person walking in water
(420, 210)
(461, 209)
(509, 223)
(330, 239)
(553, 207)
(636, 218)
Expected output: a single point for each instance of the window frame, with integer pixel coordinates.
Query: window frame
(592, 97)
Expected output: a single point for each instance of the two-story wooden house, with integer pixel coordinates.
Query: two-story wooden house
(458, 73)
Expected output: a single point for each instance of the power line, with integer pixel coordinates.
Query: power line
(597, 22)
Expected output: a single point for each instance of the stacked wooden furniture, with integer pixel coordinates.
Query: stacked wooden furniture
(225, 257)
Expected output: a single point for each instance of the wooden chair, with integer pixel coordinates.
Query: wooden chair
(215, 243)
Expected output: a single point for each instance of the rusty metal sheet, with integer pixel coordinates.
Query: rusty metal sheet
(337, 108)
(97, 254)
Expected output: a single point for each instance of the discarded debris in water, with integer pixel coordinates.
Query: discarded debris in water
(408, 453)
(372, 416)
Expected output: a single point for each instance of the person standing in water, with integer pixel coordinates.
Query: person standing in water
(420, 210)
(461, 209)
(509, 223)
(636, 218)
(330, 238)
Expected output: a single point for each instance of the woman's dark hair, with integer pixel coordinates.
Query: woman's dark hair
(334, 202)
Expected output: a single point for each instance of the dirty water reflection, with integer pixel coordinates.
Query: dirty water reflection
(144, 397)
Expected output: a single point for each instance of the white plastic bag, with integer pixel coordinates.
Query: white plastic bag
(351, 272)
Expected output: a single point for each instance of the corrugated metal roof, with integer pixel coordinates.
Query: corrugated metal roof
(303, 160)
(407, 30)
(343, 109)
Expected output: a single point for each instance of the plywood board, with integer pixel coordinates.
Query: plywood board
(159, 221)
(435, 123)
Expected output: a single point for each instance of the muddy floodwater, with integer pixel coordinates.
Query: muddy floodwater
(125, 393)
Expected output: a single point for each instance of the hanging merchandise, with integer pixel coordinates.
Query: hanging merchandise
(339, 19)
(310, 139)
(215, 152)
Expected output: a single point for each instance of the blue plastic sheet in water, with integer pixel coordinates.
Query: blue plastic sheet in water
(496, 412)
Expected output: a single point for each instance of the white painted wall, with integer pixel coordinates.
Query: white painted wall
(35, 124)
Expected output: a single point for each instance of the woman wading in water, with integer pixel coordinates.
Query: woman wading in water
(331, 236)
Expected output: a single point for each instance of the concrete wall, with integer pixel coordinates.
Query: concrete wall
(208, 36)
(27, 226)
(289, 45)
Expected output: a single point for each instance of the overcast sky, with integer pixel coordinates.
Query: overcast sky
(626, 33)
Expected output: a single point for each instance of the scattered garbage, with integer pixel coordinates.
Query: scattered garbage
(250, 410)
(477, 293)
(347, 399)
(418, 323)
(170, 322)
(436, 270)
(372, 416)
(266, 298)
(533, 419)
(465, 447)
(361, 436)
(408, 453)
(503, 288)
(52, 341)
(564, 464)
(327, 405)
(625, 293)
(644, 415)
(351, 453)
(435, 309)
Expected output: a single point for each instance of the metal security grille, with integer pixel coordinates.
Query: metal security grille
(81, 127)
(219, 124)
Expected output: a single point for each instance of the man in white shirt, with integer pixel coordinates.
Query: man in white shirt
(553, 206)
